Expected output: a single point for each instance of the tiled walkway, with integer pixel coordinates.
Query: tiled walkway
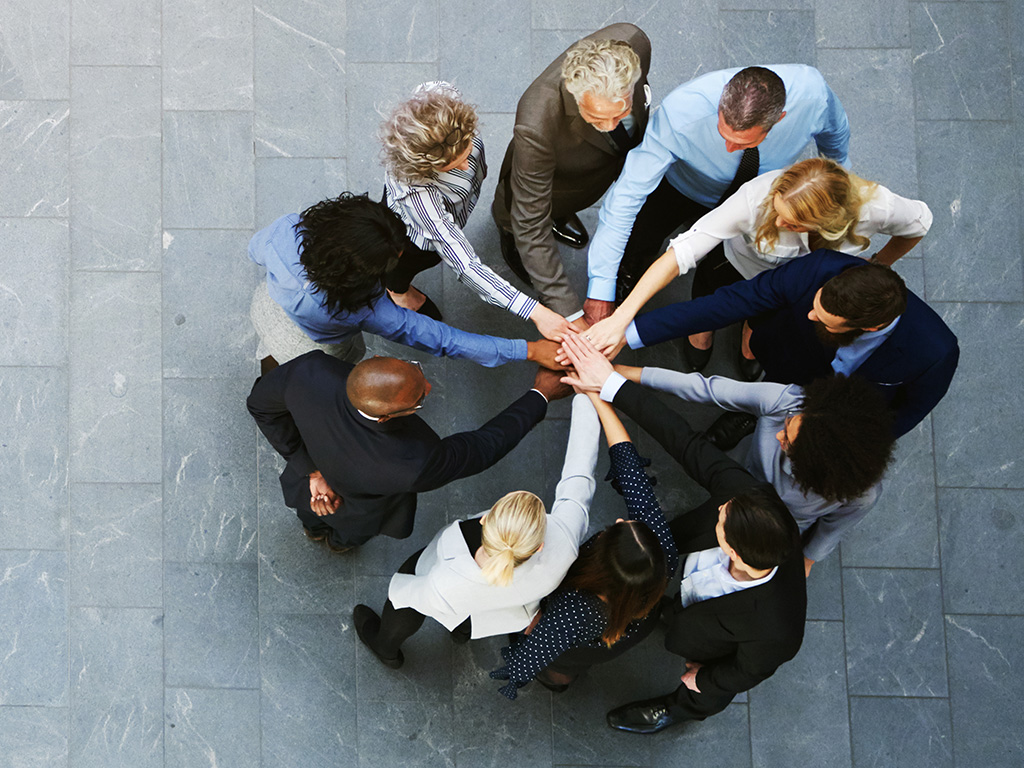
(158, 604)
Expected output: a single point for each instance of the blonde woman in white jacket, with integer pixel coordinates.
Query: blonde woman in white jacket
(486, 576)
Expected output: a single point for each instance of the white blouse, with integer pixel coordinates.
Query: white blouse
(734, 224)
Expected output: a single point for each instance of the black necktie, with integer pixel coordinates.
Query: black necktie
(622, 139)
(749, 164)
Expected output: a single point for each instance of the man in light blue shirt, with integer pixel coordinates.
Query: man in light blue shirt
(690, 160)
(324, 286)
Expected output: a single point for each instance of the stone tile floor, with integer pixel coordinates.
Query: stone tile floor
(158, 604)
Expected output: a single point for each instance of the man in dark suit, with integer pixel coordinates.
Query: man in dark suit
(574, 125)
(823, 313)
(357, 452)
(742, 603)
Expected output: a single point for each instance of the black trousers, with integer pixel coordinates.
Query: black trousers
(399, 624)
(713, 273)
(412, 261)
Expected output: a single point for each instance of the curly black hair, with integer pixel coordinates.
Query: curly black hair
(348, 244)
(845, 440)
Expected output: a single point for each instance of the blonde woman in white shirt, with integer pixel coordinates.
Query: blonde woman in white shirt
(434, 170)
(778, 216)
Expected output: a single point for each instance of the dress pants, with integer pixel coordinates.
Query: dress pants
(412, 261)
(713, 272)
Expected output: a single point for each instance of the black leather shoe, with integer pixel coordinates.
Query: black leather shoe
(750, 370)
(367, 624)
(429, 309)
(697, 358)
(510, 253)
(729, 429)
(649, 716)
(570, 231)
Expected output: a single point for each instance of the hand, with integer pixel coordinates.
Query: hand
(322, 500)
(595, 310)
(608, 334)
(592, 368)
(549, 384)
(550, 324)
(544, 353)
(690, 678)
(807, 566)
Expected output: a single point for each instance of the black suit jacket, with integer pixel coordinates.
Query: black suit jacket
(302, 409)
(912, 368)
(742, 638)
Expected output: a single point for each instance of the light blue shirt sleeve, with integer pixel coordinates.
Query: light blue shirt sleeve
(833, 140)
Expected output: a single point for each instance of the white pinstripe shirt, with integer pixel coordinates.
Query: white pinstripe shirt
(435, 213)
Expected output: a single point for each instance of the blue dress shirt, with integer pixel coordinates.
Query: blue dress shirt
(849, 358)
(682, 144)
(277, 249)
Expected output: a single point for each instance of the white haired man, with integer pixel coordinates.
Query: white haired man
(574, 126)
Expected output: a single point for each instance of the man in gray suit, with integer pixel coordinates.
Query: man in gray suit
(574, 126)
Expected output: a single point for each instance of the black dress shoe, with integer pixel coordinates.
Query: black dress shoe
(750, 370)
(649, 716)
(729, 429)
(697, 358)
(510, 253)
(570, 231)
(429, 309)
(367, 624)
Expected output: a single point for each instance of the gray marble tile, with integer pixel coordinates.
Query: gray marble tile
(308, 703)
(211, 728)
(115, 530)
(33, 628)
(577, 14)
(117, 699)
(546, 45)
(902, 530)
(982, 534)
(211, 628)
(722, 741)
(909, 733)
(291, 184)
(986, 684)
(209, 497)
(978, 426)
(405, 733)
(873, 24)
(756, 37)
(206, 326)
(371, 92)
(491, 77)
(115, 168)
(34, 458)
(911, 269)
(875, 89)
(968, 179)
(825, 590)
(207, 54)
(392, 30)
(894, 642)
(300, 78)
(115, 32)
(961, 60)
(799, 716)
(34, 145)
(766, 5)
(115, 377)
(383, 555)
(33, 737)
(296, 575)
(427, 673)
(35, 315)
(34, 49)
(204, 154)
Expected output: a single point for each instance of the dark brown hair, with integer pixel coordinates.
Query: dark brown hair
(865, 296)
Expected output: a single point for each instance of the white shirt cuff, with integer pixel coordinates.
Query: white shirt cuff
(612, 385)
(632, 337)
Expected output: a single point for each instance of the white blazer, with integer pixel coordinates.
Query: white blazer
(448, 585)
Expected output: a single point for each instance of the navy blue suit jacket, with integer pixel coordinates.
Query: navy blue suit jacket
(912, 368)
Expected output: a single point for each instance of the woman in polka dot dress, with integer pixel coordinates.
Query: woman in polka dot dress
(608, 601)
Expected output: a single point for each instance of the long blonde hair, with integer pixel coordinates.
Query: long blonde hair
(825, 200)
(513, 531)
(427, 132)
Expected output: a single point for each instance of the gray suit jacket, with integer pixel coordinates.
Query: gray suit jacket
(558, 164)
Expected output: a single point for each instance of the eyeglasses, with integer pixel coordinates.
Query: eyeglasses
(452, 140)
(419, 403)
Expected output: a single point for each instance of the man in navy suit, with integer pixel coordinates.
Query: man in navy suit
(823, 313)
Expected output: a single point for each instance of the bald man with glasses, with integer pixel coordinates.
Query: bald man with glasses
(357, 452)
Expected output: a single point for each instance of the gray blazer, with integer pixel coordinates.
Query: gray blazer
(448, 585)
(558, 164)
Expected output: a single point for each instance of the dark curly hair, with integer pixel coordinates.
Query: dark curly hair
(845, 441)
(759, 526)
(348, 244)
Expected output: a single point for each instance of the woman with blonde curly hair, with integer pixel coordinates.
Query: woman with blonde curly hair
(778, 216)
(434, 170)
(486, 575)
